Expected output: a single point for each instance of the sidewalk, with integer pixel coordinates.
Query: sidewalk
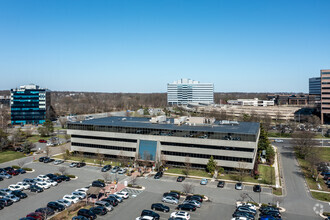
(277, 173)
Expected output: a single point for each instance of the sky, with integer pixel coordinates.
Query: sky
(140, 45)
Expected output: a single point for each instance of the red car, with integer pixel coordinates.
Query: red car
(36, 215)
(42, 141)
(13, 172)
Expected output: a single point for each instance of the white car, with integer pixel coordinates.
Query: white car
(24, 185)
(80, 195)
(56, 162)
(71, 198)
(49, 144)
(246, 204)
(64, 202)
(145, 218)
(239, 218)
(122, 194)
(84, 190)
(181, 214)
(43, 185)
(51, 182)
(43, 177)
(13, 187)
(278, 141)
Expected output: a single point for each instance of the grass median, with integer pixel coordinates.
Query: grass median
(192, 172)
(6, 156)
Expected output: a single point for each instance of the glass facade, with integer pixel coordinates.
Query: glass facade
(29, 106)
(147, 150)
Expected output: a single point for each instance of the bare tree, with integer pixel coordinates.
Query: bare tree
(266, 122)
(21, 163)
(187, 166)
(303, 143)
(100, 157)
(67, 137)
(188, 188)
(47, 151)
(163, 159)
(107, 177)
(241, 171)
(314, 158)
(278, 117)
(133, 180)
(63, 121)
(62, 170)
(64, 153)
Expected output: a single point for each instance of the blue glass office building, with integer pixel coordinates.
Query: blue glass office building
(29, 105)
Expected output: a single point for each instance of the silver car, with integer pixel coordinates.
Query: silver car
(170, 199)
(122, 171)
(64, 202)
(79, 195)
(12, 198)
(56, 162)
(104, 204)
(6, 190)
(118, 198)
(192, 202)
(6, 175)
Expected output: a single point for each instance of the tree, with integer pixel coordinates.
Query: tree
(67, 137)
(27, 147)
(278, 117)
(47, 151)
(62, 170)
(17, 137)
(211, 165)
(241, 171)
(133, 180)
(4, 118)
(21, 163)
(303, 143)
(63, 121)
(220, 170)
(65, 155)
(4, 142)
(100, 158)
(264, 144)
(107, 177)
(46, 129)
(188, 188)
(314, 158)
(266, 122)
(187, 166)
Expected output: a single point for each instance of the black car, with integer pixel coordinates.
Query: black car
(195, 197)
(1, 178)
(180, 178)
(187, 207)
(46, 211)
(87, 213)
(64, 178)
(97, 183)
(56, 206)
(2, 206)
(265, 209)
(51, 176)
(19, 194)
(106, 168)
(41, 159)
(79, 217)
(58, 180)
(27, 218)
(150, 213)
(35, 188)
(82, 164)
(158, 175)
(113, 201)
(21, 171)
(99, 210)
(257, 188)
(173, 194)
(160, 207)
(6, 202)
(221, 184)
(29, 181)
(48, 160)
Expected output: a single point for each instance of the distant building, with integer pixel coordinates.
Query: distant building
(29, 105)
(186, 91)
(325, 95)
(251, 102)
(4, 101)
(293, 99)
(315, 86)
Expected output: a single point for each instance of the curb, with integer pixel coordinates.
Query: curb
(33, 170)
(143, 188)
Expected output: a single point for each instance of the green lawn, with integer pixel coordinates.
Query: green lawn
(35, 138)
(321, 196)
(10, 155)
(277, 191)
(267, 174)
(89, 160)
(325, 153)
(192, 172)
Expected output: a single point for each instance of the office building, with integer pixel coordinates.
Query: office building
(178, 142)
(325, 95)
(251, 102)
(186, 91)
(315, 86)
(29, 104)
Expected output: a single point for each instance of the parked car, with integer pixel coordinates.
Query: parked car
(46, 211)
(35, 188)
(221, 184)
(264, 209)
(64, 202)
(173, 194)
(6, 191)
(195, 197)
(98, 210)
(160, 207)
(80, 195)
(15, 187)
(180, 178)
(73, 164)
(56, 162)
(21, 171)
(122, 171)
(115, 169)
(43, 185)
(71, 198)
(204, 181)
(43, 177)
(48, 160)
(56, 206)
(6, 175)
(158, 175)
(104, 204)
(23, 185)
(118, 198)
(12, 198)
(19, 194)
(150, 213)
(257, 188)
(51, 176)
(180, 214)
(243, 214)
(35, 215)
(239, 186)
(42, 141)
(6, 202)
(170, 199)
(81, 164)
(41, 159)
(111, 200)
(246, 204)
(246, 209)
(122, 194)
(187, 207)
(87, 213)
(12, 172)
(97, 183)
(106, 168)
(193, 202)
(64, 178)
(145, 218)
(51, 182)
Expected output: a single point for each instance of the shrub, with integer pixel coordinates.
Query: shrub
(101, 180)
(176, 191)
(57, 174)
(254, 203)
(16, 167)
(134, 186)
(27, 169)
(326, 213)
(71, 176)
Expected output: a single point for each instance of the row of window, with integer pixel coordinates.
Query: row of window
(104, 147)
(104, 138)
(208, 146)
(207, 156)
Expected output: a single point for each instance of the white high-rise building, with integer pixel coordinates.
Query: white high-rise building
(186, 91)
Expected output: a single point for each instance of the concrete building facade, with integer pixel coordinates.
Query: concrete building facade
(232, 144)
(186, 91)
(251, 102)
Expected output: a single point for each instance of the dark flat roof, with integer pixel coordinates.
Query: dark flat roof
(136, 122)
